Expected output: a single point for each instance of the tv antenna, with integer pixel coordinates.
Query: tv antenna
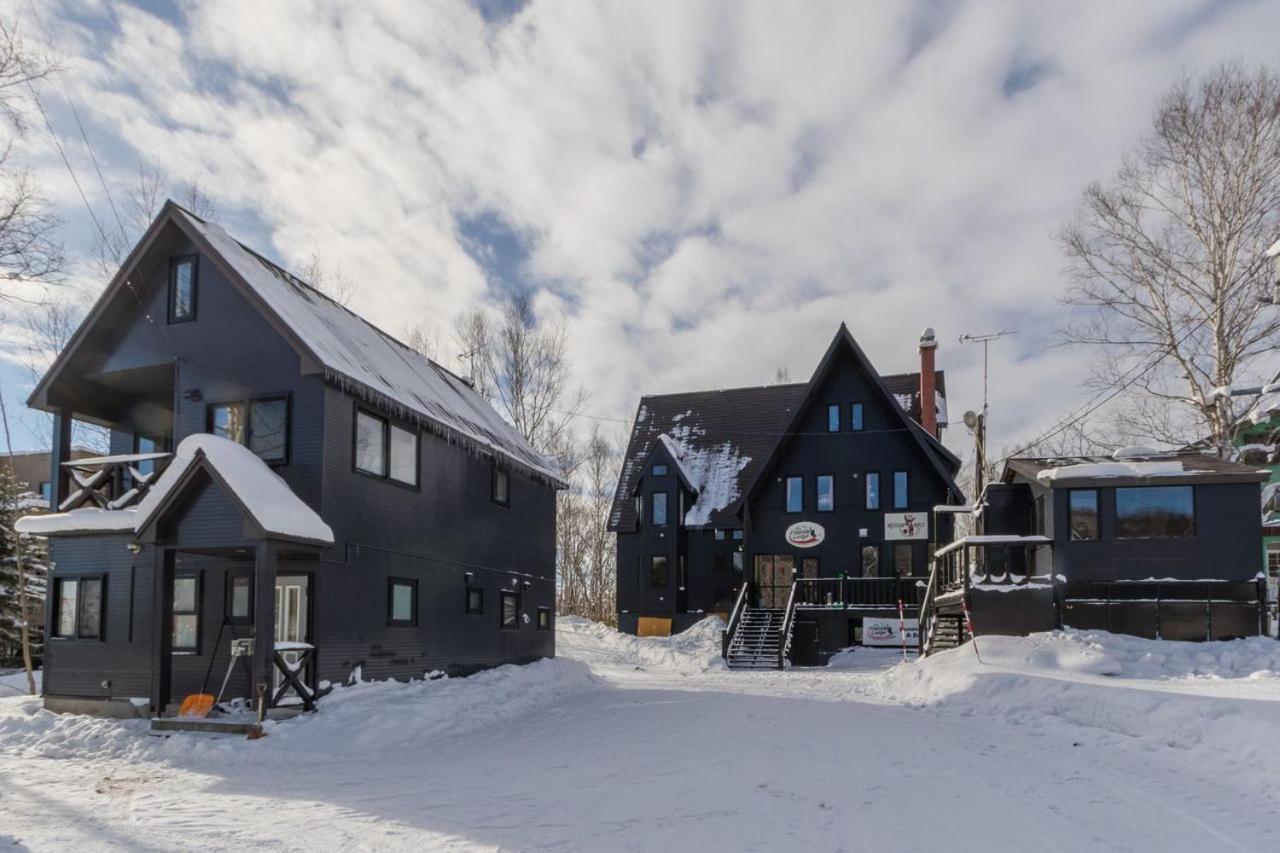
(977, 421)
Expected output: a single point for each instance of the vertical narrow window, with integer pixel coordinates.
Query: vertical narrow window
(239, 597)
(268, 428)
(226, 420)
(501, 486)
(658, 572)
(737, 561)
(639, 508)
(509, 612)
(795, 494)
(901, 498)
(833, 417)
(182, 290)
(90, 610)
(402, 603)
(873, 490)
(404, 456)
(855, 417)
(1083, 504)
(659, 514)
(67, 592)
(826, 493)
(46, 492)
(870, 561)
(904, 559)
(371, 449)
(475, 601)
(146, 444)
(186, 613)
(544, 618)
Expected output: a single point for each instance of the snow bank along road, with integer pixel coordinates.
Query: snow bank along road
(1057, 742)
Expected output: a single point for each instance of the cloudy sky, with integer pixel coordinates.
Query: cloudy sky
(703, 191)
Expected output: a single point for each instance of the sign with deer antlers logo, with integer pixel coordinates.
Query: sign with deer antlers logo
(905, 525)
(805, 534)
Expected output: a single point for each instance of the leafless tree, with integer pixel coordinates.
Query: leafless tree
(585, 547)
(29, 249)
(329, 279)
(424, 338)
(141, 200)
(1166, 260)
(781, 376)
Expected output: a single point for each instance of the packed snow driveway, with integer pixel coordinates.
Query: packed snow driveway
(1059, 742)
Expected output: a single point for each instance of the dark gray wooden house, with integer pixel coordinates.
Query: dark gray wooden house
(1160, 545)
(802, 513)
(280, 470)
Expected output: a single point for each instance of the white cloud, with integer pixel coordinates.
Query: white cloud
(711, 187)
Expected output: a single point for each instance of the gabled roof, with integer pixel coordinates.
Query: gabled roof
(350, 351)
(731, 433)
(262, 495)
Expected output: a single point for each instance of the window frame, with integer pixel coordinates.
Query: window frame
(659, 469)
(503, 596)
(174, 264)
(905, 503)
(718, 535)
(1097, 515)
(495, 473)
(412, 583)
(870, 477)
(817, 492)
(834, 417)
(229, 596)
(857, 417)
(466, 601)
(197, 606)
(246, 406)
(869, 549)
(539, 623)
(77, 621)
(386, 425)
(1116, 500)
(903, 547)
(666, 508)
(786, 494)
(666, 571)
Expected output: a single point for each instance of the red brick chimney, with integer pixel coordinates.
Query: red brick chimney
(928, 383)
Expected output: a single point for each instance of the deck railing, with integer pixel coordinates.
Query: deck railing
(784, 633)
(112, 482)
(842, 593)
(726, 636)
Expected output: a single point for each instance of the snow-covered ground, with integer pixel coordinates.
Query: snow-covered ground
(1059, 741)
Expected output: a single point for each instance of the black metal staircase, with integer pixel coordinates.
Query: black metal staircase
(758, 643)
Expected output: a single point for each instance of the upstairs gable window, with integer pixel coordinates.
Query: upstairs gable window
(659, 514)
(873, 490)
(833, 418)
(826, 493)
(384, 449)
(659, 469)
(795, 494)
(262, 425)
(182, 289)
(901, 496)
(855, 417)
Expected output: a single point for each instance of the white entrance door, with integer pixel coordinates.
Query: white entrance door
(291, 615)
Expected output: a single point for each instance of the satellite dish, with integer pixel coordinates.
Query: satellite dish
(971, 420)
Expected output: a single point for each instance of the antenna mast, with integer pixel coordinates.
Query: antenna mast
(978, 422)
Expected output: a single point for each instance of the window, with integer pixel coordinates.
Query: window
(226, 420)
(809, 567)
(404, 455)
(501, 493)
(826, 493)
(371, 457)
(900, 496)
(659, 470)
(1148, 512)
(186, 613)
(146, 444)
(795, 494)
(78, 603)
(719, 534)
(855, 417)
(544, 618)
(182, 290)
(510, 610)
(737, 535)
(240, 597)
(658, 572)
(269, 428)
(870, 561)
(904, 559)
(1273, 561)
(402, 603)
(46, 492)
(873, 490)
(833, 418)
(475, 601)
(1083, 505)
(659, 514)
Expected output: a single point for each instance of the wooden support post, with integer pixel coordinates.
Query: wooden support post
(264, 619)
(162, 628)
(60, 453)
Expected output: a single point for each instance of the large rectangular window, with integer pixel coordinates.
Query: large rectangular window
(826, 493)
(873, 490)
(795, 494)
(404, 456)
(186, 613)
(901, 496)
(658, 578)
(855, 417)
(509, 612)
(262, 425)
(833, 417)
(904, 559)
(371, 451)
(659, 503)
(1152, 512)
(182, 289)
(1083, 523)
(384, 449)
(226, 420)
(402, 602)
(78, 608)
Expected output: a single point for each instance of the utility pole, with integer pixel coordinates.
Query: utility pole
(978, 421)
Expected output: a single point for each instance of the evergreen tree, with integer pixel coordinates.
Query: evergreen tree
(32, 569)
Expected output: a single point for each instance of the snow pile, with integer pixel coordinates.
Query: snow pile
(353, 723)
(711, 470)
(1221, 697)
(1086, 470)
(693, 651)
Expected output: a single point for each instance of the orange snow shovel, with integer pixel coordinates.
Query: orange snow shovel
(200, 704)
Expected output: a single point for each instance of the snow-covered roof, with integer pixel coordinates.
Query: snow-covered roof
(1179, 466)
(710, 469)
(261, 492)
(1135, 469)
(86, 520)
(358, 355)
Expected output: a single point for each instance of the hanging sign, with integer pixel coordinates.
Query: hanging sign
(889, 632)
(906, 525)
(805, 534)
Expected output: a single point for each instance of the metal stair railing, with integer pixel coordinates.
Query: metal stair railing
(784, 633)
(735, 619)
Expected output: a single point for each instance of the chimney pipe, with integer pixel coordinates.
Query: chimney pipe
(928, 383)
